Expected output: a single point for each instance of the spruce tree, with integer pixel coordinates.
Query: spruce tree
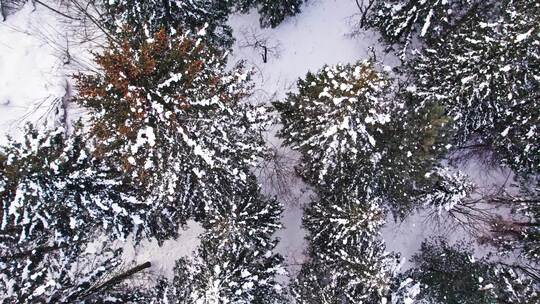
(170, 127)
(351, 128)
(42, 189)
(485, 76)
(235, 262)
(451, 274)
(359, 273)
(342, 218)
(405, 21)
(334, 119)
(47, 192)
(347, 262)
(316, 284)
(149, 17)
(449, 190)
(244, 217)
(319, 282)
(225, 274)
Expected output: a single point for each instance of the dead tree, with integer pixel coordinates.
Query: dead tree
(117, 279)
(107, 285)
(277, 171)
(259, 42)
(358, 21)
(364, 9)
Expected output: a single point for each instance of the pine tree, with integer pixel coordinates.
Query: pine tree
(347, 262)
(485, 76)
(46, 192)
(352, 129)
(404, 21)
(235, 262)
(170, 127)
(146, 18)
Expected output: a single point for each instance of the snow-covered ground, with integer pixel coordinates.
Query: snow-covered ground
(35, 72)
(39, 52)
(319, 35)
(30, 69)
(163, 258)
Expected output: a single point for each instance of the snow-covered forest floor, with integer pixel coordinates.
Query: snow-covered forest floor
(41, 50)
(35, 73)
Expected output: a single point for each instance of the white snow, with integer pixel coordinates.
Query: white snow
(39, 52)
(29, 69)
(318, 36)
(427, 23)
(144, 136)
(523, 36)
(33, 76)
(505, 132)
(163, 258)
(406, 237)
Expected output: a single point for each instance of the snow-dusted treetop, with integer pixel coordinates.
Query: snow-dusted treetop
(170, 124)
(352, 129)
(486, 76)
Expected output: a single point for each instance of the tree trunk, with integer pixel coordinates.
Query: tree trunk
(265, 54)
(168, 16)
(119, 278)
(364, 10)
(3, 10)
(110, 283)
(526, 224)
